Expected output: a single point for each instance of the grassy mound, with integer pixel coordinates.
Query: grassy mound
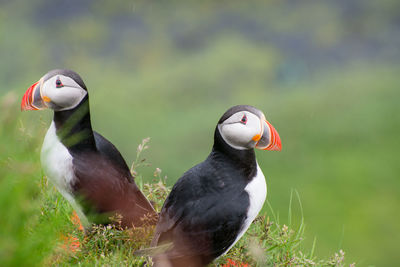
(38, 228)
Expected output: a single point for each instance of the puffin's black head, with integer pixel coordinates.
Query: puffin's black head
(58, 89)
(245, 127)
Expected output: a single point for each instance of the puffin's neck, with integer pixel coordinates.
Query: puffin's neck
(74, 129)
(243, 160)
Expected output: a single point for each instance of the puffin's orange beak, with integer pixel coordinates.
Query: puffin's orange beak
(275, 143)
(270, 139)
(32, 99)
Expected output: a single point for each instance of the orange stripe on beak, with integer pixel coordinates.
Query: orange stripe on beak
(275, 144)
(26, 103)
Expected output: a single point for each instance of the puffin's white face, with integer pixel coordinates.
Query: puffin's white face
(59, 92)
(246, 130)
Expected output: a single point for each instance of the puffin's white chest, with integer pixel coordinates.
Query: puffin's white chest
(257, 190)
(57, 162)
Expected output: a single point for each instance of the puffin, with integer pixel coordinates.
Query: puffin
(86, 168)
(213, 204)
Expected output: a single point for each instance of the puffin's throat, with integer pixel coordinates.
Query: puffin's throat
(243, 160)
(74, 128)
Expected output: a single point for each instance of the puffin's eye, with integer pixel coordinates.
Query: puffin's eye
(244, 119)
(59, 83)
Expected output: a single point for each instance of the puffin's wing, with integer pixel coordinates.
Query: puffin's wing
(199, 222)
(107, 149)
(104, 190)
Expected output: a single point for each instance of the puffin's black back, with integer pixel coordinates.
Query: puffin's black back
(107, 149)
(207, 206)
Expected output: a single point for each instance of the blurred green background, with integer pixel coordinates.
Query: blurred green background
(326, 74)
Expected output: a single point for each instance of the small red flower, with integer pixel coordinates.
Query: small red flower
(232, 263)
(70, 243)
(76, 221)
